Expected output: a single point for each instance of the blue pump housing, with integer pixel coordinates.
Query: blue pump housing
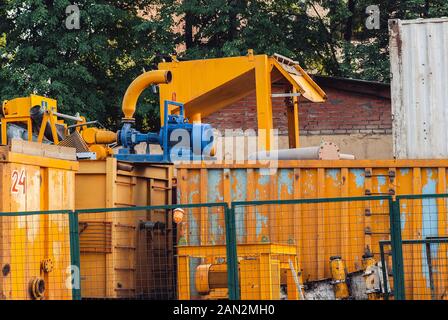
(179, 139)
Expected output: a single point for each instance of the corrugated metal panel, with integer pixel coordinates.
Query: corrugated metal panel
(319, 230)
(419, 66)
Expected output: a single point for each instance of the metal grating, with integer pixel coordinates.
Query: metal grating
(95, 237)
(75, 141)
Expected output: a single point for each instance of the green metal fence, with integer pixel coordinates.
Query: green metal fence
(389, 248)
(421, 248)
(150, 256)
(112, 253)
(317, 248)
(36, 255)
(413, 227)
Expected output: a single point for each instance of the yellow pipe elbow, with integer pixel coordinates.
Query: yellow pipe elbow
(138, 86)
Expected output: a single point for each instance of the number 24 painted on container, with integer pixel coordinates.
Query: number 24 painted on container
(18, 181)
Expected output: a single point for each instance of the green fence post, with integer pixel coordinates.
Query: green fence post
(397, 249)
(232, 257)
(75, 253)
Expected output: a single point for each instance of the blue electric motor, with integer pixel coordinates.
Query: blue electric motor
(179, 139)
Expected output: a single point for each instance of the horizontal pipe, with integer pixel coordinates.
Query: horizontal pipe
(310, 153)
(138, 86)
(326, 150)
(344, 156)
(67, 117)
(88, 123)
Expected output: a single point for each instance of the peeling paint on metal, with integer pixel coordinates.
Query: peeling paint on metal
(33, 225)
(285, 181)
(193, 226)
(195, 178)
(419, 68)
(309, 182)
(403, 215)
(214, 193)
(194, 263)
(359, 177)
(335, 175)
(57, 250)
(216, 229)
(261, 221)
(430, 219)
(238, 181)
(263, 180)
(381, 182)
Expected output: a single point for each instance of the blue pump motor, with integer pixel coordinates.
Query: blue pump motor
(179, 139)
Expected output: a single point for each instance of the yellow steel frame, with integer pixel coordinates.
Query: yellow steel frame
(25, 159)
(18, 110)
(206, 86)
(267, 255)
(6, 121)
(48, 116)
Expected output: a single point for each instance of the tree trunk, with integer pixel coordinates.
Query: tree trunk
(188, 28)
(348, 34)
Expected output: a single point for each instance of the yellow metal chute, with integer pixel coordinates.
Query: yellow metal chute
(206, 86)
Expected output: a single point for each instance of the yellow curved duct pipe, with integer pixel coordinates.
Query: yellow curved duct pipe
(138, 86)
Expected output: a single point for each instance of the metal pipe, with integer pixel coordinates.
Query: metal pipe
(326, 151)
(88, 123)
(309, 153)
(138, 86)
(344, 156)
(68, 117)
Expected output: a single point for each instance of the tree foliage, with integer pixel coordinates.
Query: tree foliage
(327, 36)
(88, 70)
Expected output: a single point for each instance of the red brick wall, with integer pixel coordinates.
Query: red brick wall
(343, 113)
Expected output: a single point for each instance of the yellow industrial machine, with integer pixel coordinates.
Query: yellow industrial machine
(263, 269)
(206, 86)
(38, 114)
(339, 275)
(355, 228)
(372, 278)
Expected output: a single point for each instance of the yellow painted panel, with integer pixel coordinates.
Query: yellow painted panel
(118, 260)
(26, 241)
(320, 231)
(208, 85)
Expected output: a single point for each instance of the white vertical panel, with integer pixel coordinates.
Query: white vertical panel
(419, 66)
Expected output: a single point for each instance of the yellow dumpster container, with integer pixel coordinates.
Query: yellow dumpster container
(119, 259)
(318, 230)
(35, 249)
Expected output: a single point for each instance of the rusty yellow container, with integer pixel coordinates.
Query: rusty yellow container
(35, 249)
(319, 230)
(118, 258)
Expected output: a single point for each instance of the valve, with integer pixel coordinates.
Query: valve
(47, 265)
